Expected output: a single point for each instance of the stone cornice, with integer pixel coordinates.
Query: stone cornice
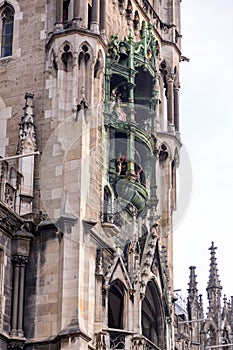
(65, 333)
(70, 31)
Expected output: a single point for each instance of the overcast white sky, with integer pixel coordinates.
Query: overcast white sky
(206, 130)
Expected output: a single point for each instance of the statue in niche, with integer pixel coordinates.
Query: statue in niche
(83, 103)
(139, 174)
(121, 165)
(138, 170)
(112, 100)
(118, 111)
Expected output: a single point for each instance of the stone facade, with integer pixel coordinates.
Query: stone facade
(86, 226)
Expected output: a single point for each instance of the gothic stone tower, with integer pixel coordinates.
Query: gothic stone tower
(86, 225)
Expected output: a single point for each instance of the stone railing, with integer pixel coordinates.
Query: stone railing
(144, 343)
(122, 339)
(118, 338)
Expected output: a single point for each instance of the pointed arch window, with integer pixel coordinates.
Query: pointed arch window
(7, 18)
(116, 305)
(152, 316)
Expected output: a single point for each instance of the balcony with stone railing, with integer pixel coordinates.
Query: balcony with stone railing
(118, 338)
(143, 343)
(122, 339)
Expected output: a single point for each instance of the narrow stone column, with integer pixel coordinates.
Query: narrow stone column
(170, 102)
(15, 295)
(83, 5)
(95, 16)
(21, 295)
(105, 316)
(102, 16)
(59, 12)
(176, 108)
(99, 287)
(74, 82)
(76, 10)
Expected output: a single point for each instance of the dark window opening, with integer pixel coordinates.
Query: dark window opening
(67, 59)
(7, 31)
(65, 18)
(116, 305)
(118, 85)
(163, 153)
(83, 56)
(152, 320)
(89, 16)
(142, 96)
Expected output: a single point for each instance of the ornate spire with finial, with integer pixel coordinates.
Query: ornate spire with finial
(192, 291)
(214, 281)
(214, 288)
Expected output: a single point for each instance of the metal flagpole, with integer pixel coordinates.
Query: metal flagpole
(19, 156)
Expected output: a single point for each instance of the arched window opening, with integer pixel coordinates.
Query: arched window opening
(67, 58)
(7, 31)
(143, 96)
(107, 214)
(119, 97)
(116, 305)
(163, 153)
(84, 56)
(136, 21)
(152, 318)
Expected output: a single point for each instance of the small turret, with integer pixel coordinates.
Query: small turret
(192, 291)
(195, 307)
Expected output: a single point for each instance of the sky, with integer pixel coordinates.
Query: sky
(206, 166)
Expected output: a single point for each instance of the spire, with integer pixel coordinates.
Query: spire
(201, 306)
(26, 145)
(192, 291)
(214, 288)
(214, 281)
(27, 138)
